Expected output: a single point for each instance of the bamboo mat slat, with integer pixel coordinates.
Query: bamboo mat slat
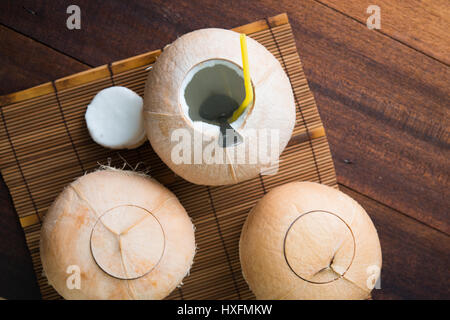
(45, 145)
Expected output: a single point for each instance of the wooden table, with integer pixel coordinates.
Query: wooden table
(383, 95)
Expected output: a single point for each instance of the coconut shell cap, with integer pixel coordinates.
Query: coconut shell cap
(191, 69)
(304, 240)
(116, 234)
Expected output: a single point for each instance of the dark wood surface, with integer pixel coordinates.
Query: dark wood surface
(383, 96)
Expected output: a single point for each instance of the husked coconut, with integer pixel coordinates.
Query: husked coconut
(116, 234)
(205, 65)
(305, 240)
(114, 118)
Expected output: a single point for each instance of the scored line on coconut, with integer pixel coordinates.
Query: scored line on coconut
(97, 255)
(329, 272)
(103, 260)
(117, 225)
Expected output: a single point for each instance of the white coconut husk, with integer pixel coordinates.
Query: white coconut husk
(164, 109)
(304, 240)
(154, 254)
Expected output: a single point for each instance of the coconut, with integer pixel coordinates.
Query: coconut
(116, 234)
(206, 64)
(304, 240)
(114, 118)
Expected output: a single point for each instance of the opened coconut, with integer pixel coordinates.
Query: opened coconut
(204, 66)
(305, 240)
(116, 234)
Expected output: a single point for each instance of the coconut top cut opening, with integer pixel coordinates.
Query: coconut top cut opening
(213, 80)
(127, 242)
(319, 247)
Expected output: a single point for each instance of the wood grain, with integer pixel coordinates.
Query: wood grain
(415, 257)
(386, 111)
(27, 63)
(17, 279)
(423, 25)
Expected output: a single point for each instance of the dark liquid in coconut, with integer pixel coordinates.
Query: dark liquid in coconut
(217, 106)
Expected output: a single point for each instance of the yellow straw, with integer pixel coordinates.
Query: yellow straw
(248, 85)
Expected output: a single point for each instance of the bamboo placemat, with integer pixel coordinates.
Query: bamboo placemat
(45, 145)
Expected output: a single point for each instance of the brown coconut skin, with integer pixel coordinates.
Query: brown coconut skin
(67, 227)
(273, 108)
(261, 245)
